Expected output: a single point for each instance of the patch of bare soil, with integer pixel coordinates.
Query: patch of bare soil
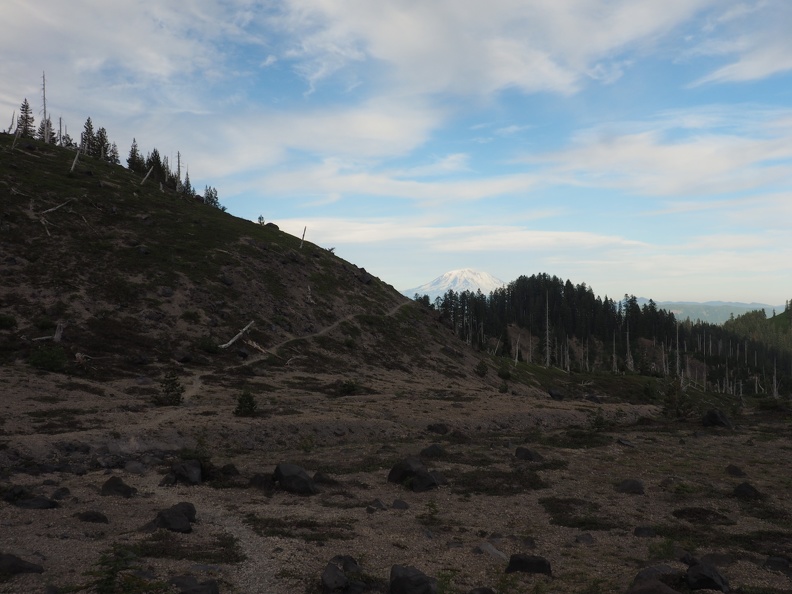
(62, 439)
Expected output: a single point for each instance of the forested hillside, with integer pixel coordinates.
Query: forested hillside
(568, 326)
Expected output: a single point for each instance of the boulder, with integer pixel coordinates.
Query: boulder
(528, 564)
(12, 565)
(177, 518)
(188, 472)
(528, 455)
(630, 487)
(706, 577)
(405, 579)
(92, 516)
(294, 479)
(117, 487)
(747, 492)
(716, 418)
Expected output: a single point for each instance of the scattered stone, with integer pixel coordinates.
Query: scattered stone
(522, 453)
(375, 506)
(747, 492)
(433, 451)
(528, 564)
(92, 516)
(555, 394)
(706, 577)
(187, 584)
(781, 564)
(625, 442)
(585, 539)
(411, 472)
(644, 532)
(12, 565)
(188, 472)
(405, 579)
(439, 428)
(735, 471)
(334, 579)
(490, 550)
(24, 498)
(400, 504)
(115, 486)
(294, 479)
(61, 493)
(630, 487)
(177, 518)
(716, 418)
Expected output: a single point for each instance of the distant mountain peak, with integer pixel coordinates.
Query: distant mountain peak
(459, 281)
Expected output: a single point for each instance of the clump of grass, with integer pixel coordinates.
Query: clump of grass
(7, 322)
(481, 369)
(49, 358)
(575, 513)
(246, 405)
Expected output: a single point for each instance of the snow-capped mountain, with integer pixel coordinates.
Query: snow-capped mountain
(457, 281)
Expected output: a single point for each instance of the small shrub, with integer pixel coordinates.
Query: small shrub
(208, 345)
(504, 373)
(481, 369)
(171, 391)
(246, 405)
(503, 388)
(49, 358)
(191, 316)
(7, 322)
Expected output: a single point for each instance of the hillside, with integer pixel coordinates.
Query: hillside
(133, 459)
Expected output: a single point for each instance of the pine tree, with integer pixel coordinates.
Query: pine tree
(210, 197)
(25, 120)
(101, 148)
(187, 188)
(88, 139)
(46, 132)
(112, 155)
(134, 161)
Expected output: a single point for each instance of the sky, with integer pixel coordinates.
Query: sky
(637, 146)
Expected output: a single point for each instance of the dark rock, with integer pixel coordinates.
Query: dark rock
(262, 481)
(321, 478)
(433, 451)
(135, 467)
(333, 579)
(747, 492)
(188, 472)
(37, 502)
(294, 479)
(272, 226)
(482, 591)
(347, 563)
(555, 394)
(12, 565)
(405, 579)
(528, 564)
(586, 539)
(716, 418)
(625, 442)
(458, 436)
(439, 428)
(717, 559)
(630, 487)
(177, 518)
(400, 504)
(644, 532)
(706, 577)
(406, 469)
(781, 564)
(735, 471)
(61, 493)
(529, 455)
(92, 516)
(187, 584)
(659, 573)
(115, 486)
(375, 506)
(425, 481)
(593, 398)
(652, 587)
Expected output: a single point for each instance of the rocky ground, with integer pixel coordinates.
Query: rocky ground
(573, 494)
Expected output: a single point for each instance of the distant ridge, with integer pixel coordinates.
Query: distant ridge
(459, 281)
(713, 312)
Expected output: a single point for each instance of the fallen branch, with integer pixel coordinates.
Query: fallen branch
(54, 338)
(238, 336)
(57, 207)
(255, 345)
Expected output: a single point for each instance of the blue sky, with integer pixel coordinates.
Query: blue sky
(638, 146)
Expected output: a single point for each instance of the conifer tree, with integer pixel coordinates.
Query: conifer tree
(25, 120)
(210, 197)
(187, 188)
(112, 155)
(134, 161)
(46, 132)
(101, 148)
(88, 139)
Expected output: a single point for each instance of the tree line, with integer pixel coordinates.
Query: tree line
(96, 143)
(568, 326)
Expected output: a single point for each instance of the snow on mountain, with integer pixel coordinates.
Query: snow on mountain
(457, 281)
